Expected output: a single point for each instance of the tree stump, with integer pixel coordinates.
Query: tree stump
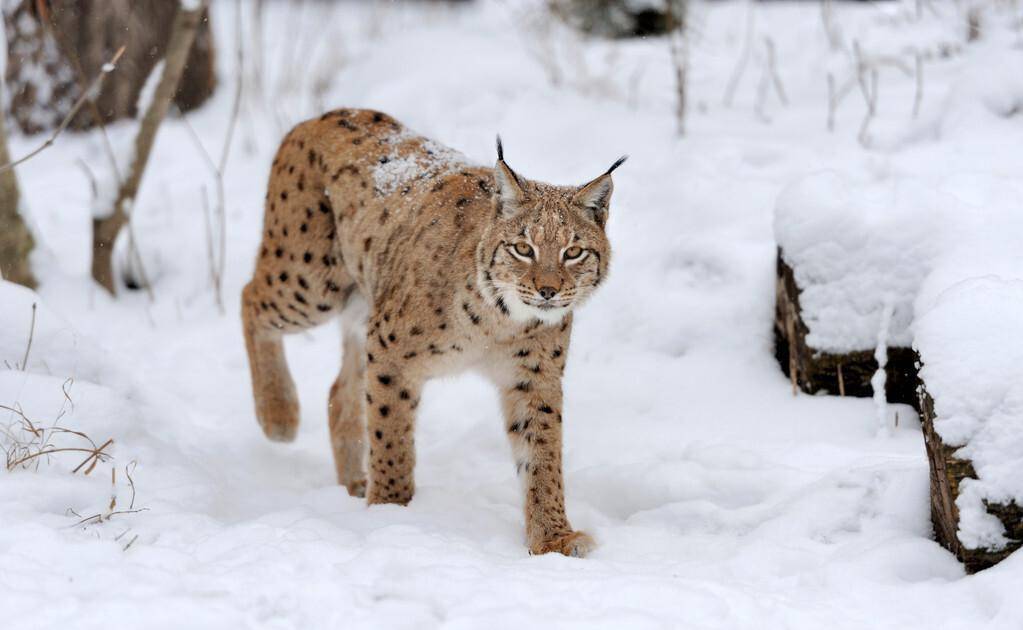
(842, 374)
(16, 240)
(55, 46)
(620, 18)
(947, 472)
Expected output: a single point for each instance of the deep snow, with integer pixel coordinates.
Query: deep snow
(719, 500)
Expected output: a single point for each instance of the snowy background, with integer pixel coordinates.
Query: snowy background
(719, 499)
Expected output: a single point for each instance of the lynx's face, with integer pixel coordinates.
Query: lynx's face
(547, 251)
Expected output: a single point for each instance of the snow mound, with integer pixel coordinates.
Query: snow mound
(55, 346)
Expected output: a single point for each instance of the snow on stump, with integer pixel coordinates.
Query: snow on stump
(849, 265)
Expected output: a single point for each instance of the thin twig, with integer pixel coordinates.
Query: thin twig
(105, 70)
(99, 518)
(919, 96)
(93, 185)
(869, 91)
(832, 102)
(834, 40)
(31, 334)
(131, 482)
(679, 49)
(239, 84)
(740, 66)
(772, 68)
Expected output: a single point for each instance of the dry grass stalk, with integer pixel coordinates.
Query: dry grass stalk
(830, 30)
(772, 70)
(865, 71)
(740, 66)
(216, 247)
(918, 97)
(112, 510)
(679, 49)
(31, 336)
(29, 443)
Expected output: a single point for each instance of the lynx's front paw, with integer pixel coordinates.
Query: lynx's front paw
(278, 417)
(356, 488)
(572, 544)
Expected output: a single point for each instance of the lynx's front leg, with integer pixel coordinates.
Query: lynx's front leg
(391, 400)
(532, 409)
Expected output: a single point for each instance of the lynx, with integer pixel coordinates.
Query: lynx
(435, 266)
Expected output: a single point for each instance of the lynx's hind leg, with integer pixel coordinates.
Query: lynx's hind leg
(345, 407)
(272, 386)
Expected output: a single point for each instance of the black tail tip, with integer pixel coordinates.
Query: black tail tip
(500, 149)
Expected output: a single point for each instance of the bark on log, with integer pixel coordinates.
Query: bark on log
(947, 472)
(106, 229)
(15, 239)
(846, 374)
(55, 45)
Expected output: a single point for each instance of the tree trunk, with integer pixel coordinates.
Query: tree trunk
(54, 46)
(106, 229)
(15, 240)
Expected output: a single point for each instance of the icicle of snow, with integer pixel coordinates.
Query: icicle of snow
(877, 381)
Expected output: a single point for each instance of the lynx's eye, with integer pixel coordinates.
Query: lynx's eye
(524, 250)
(573, 252)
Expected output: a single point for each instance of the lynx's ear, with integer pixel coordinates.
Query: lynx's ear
(596, 195)
(511, 190)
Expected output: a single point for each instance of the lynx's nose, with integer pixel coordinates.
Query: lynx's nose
(547, 293)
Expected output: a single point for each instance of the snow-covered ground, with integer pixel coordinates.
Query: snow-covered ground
(718, 499)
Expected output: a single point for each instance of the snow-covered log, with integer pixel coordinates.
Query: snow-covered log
(947, 475)
(971, 400)
(841, 373)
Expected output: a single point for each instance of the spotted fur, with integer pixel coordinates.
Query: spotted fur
(438, 266)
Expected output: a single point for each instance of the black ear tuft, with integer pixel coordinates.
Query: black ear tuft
(500, 149)
(617, 163)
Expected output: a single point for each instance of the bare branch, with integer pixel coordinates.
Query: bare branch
(86, 95)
